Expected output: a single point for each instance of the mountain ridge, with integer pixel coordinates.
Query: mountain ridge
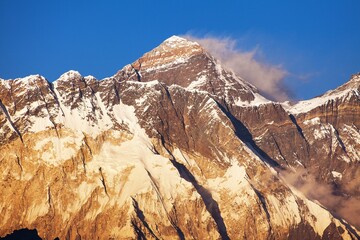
(165, 160)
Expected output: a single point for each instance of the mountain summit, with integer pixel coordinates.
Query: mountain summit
(176, 146)
(173, 51)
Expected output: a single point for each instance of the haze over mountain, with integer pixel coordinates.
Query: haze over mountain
(175, 145)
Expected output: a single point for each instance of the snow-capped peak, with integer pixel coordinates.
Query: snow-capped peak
(175, 38)
(353, 83)
(172, 52)
(32, 77)
(176, 41)
(30, 80)
(341, 93)
(70, 75)
(25, 81)
(175, 44)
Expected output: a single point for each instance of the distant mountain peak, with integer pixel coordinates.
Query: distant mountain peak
(176, 41)
(175, 38)
(181, 62)
(354, 81)
(342, 93)
(172, 51)
(71, 74)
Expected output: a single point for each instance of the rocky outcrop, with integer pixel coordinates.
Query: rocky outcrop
(172, 146)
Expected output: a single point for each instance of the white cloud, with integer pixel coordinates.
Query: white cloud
(269, 79)
(342, 205)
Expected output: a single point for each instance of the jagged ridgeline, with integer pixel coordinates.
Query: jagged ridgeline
(175, 146)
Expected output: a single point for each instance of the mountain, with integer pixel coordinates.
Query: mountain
(176, 146)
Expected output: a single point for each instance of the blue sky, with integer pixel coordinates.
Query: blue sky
(316, 42)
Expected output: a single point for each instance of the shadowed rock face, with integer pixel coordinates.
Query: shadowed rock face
(22, 234)
(173, 146)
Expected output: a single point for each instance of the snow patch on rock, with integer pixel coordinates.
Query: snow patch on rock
(336, 174)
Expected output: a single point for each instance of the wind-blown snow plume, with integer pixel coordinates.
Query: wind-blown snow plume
(343, 206)
(269, 79)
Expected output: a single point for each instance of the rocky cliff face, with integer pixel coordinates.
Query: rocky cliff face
(172, 146)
